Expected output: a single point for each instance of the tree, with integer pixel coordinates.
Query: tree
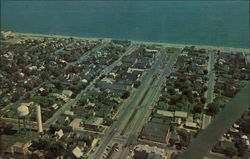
(15, 97)
(203, 100)
(198, 108)
(212, 109)
(171, 91)
(185, 137)
(204, 89)
(137, 84)
(205, 72)
(126, 95)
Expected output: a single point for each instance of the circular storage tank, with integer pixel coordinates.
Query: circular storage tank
(22, 111)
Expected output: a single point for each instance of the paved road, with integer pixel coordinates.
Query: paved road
(201, 145)
(206, 119)
(143, 114)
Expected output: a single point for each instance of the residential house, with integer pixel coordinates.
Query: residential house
(93, 122)
(77, 152)
(59, 134)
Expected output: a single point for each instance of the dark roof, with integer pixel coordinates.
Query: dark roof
(114, 86)
(140, 155)
(155, 132)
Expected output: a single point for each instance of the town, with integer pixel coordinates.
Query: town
(91, 98)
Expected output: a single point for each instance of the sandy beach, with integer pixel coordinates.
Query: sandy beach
(223, 49)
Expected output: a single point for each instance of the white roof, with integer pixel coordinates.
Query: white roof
(67, 92)
(77, 152)
(165, 113)
(191, 124)
(75, 123)
(151, 50)
(247, 142)
(59, 133)
(244, 137)
(180, 114)
(22, 111)
(70, 113)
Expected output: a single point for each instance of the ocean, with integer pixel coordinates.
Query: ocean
(216, 23)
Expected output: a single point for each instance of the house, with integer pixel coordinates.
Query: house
(68, 113)
(19, 148)
(177, 121)
(55, 106)
(155, 132)
(75, 124)
(191, 125)
(148, 152)
(175, 138)
(104, 111)
(131, 70)
(59, 134)
(167, 114)
(180, 114)
(131, 76)
(130, 60)
(77, 152)
(245, 140)
(93, 122)
(67, 93)
(151, 51)
(148, 54)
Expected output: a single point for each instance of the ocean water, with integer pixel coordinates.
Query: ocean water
(216, 23)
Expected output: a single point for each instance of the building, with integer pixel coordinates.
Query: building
(19, 148)
(164, 113)
(77, 152)
(93, 122)
(191, 125)
(155, 132)
(180, 114)
(75, 124)
(148, 152)
(59, 134)
(115, 86)
(67, 93)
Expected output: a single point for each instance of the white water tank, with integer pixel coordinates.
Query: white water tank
(22, 111)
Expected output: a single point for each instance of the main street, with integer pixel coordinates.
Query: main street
(206, 119)
(136, 99)
(143, 114)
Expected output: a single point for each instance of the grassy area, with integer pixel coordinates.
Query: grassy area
(9, 140)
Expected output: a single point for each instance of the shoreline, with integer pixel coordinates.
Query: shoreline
(221, 48)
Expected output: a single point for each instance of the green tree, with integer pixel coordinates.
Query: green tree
(126, 95)
(137, 84)
(203, 100)
(212, 109)
(197, 108)
(205, 72)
